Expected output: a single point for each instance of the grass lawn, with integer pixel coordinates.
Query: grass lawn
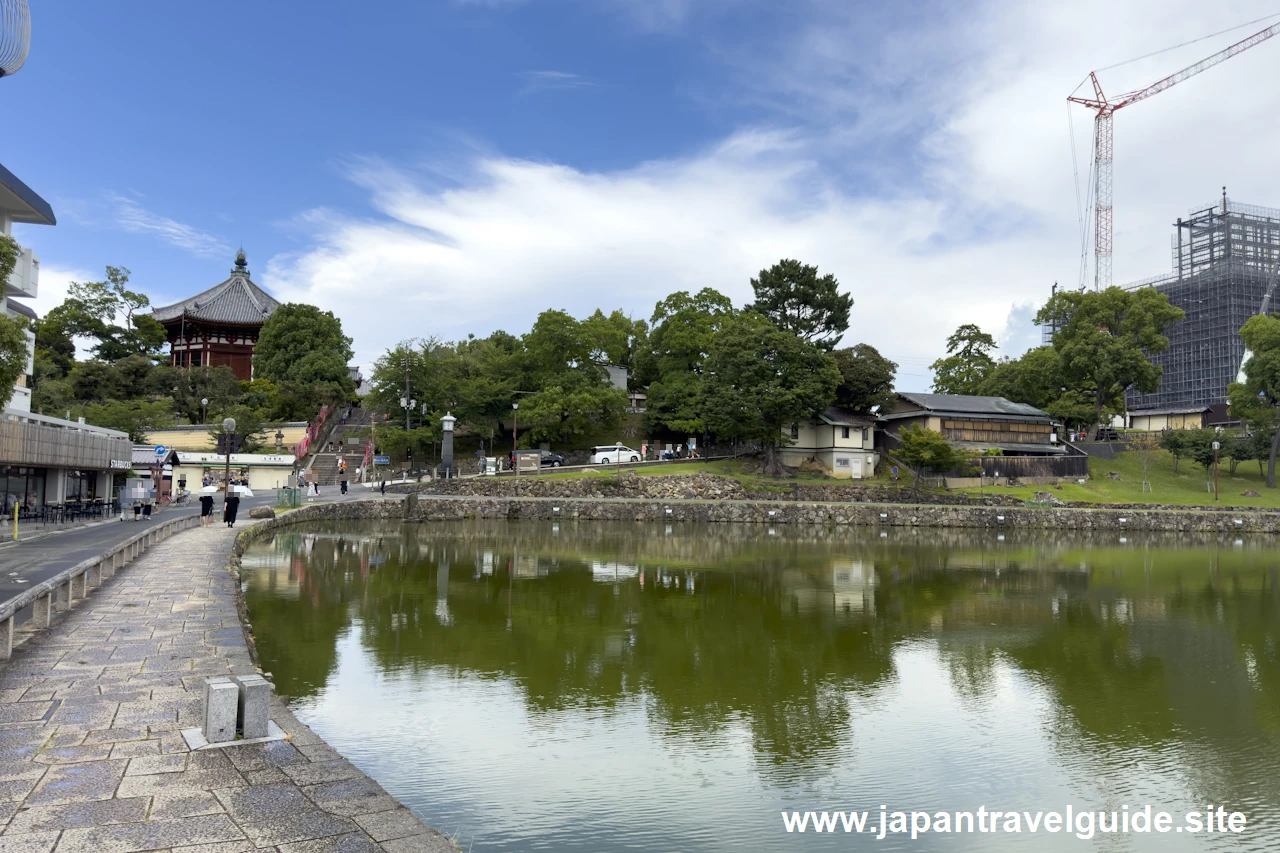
(1185, 488)
(741, 470)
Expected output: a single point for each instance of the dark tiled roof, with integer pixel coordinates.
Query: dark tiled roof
(837, 416)
(22, 202)
(144, 456)
(237, 300)
(961, 404)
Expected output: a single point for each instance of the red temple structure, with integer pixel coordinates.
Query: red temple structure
(219, 326)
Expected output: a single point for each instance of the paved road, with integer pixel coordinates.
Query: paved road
(35, 560)
(90, 745)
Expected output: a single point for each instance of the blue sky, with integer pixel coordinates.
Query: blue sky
(445, 166)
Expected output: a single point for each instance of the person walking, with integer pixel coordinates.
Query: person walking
(206, 510)
(384, 487)
(230, 506)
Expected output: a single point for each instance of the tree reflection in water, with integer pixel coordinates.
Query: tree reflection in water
(1156, 644)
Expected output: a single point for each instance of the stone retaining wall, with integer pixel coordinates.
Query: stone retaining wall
(695, 487)
(779, 513)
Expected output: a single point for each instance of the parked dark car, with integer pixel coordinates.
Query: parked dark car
(547, 459)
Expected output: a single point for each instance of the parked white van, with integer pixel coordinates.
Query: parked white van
(610, 454)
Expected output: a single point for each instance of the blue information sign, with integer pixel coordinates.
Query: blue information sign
(161, 450)
(382, 460)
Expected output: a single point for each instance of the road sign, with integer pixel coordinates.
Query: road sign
(382, 460)
(161, 450)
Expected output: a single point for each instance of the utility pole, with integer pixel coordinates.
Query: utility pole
(1216, 446)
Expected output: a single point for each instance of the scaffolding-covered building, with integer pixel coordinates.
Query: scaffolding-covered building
(1224, 259)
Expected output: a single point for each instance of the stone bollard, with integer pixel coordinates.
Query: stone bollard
(41, 610)
(221, 700)
(255, 694)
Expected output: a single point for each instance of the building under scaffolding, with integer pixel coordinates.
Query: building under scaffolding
(1224, 259)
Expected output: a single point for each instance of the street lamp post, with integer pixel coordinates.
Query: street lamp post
(204, 409)
(228, 431)
(446, 449)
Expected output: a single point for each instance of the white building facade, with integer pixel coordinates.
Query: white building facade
(19, 204)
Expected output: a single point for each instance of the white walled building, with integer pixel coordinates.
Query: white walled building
(46, 461)
(19, 203)
(840, 441)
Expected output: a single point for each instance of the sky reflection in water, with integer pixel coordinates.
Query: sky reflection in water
(597, 687)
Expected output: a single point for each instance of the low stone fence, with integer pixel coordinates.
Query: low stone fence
(76, 581)
(425, 509)
(707, 487)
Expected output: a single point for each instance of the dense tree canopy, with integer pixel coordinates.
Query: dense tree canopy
(683, 327)
(799, 301)
(866, 378)
(1255, 400)
(761, 379)
(1106, 339)
(302, 350)
(13, 332)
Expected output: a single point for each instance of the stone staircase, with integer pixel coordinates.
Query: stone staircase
(324, 464)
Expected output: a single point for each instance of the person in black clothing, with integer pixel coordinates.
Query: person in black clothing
(384, 487)
(206, 510)
(229, 507)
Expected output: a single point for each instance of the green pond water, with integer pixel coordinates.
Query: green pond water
(604, 687)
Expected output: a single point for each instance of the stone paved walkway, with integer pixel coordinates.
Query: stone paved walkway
(91, 758)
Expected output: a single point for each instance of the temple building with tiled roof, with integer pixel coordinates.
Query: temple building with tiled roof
(219, 326)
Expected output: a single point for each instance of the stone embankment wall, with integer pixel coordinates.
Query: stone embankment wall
(783, 512)
(707, 487)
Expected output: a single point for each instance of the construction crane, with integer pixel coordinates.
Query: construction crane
(1102, 141)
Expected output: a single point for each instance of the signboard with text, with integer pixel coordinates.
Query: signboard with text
(382, 460)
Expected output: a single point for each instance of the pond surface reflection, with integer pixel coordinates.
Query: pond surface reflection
(606, 687)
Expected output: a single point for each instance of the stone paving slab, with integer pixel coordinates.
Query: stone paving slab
(91, 758)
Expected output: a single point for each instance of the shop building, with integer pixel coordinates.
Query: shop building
(262, 470)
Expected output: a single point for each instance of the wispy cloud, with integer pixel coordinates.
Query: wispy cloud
(134, 218)
(547, 81)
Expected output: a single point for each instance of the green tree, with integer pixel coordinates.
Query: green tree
(111, 314)
(1254, 401)
(304, 347)
(683, 327)
(1178, 444)
(866, 378)
(1106, 339)
(1036, 378)
(796, 299)
(136, 417)
(1144, 446)
(928, 450)
(188, 386)
(249, 427)
(13, 355)
(615, 339)
(967, 364)
(761, 379)
(571, 391)
(13, 331)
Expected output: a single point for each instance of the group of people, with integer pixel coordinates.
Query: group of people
(230, 506)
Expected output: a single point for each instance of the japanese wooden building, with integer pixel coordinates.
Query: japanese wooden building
(219, 326)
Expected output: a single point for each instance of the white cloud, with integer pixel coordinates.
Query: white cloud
(548, 81)
(960, 209)
(134, 218)
(54, 283)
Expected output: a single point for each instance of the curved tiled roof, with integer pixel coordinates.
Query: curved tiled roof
(237, 300)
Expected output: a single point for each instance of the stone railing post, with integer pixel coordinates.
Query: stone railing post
(42, 610)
